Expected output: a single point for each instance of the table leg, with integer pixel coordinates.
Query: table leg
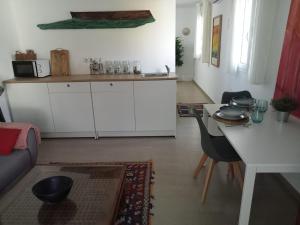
(248, 189)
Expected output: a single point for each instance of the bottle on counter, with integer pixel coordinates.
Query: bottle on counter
(96, 66)
(108, 67)
(126, 66)
(137, 67)
(100, 67)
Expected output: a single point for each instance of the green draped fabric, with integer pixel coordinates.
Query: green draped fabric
(95, 24)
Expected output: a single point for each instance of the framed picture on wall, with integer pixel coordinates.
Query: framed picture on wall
(216, 41)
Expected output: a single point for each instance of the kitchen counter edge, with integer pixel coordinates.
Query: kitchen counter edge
(89, 78)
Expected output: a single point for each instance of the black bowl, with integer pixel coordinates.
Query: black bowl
(53, 189)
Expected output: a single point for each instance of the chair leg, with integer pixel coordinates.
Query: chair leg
(200, 165)
(238, 172)
(211, 166)
(230, 170)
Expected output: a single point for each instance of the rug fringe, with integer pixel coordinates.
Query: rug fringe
(93, 162)
(151, 205)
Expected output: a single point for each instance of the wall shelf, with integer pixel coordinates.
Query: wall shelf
(102, 20)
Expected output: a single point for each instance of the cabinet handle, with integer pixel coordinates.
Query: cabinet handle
(111, 84)
(68, 85)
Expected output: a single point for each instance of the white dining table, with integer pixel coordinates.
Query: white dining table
(267, 147)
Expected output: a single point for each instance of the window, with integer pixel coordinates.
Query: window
(246, 23)
(203, 31)
(199, 32)
(241, 33)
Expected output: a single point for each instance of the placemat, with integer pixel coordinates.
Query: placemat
(231, 122)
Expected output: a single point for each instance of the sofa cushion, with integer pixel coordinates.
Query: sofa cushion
(8, 139)
(13, 166)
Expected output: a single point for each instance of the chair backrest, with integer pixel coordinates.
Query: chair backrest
(227, 96)
(206, 140)
(1, 116)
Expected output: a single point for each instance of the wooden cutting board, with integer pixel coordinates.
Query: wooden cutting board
(60, 62)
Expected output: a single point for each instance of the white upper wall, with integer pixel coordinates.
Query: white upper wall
(8, 40)
(8, 44)
(186, 2)
(214, 81)
(153, 44)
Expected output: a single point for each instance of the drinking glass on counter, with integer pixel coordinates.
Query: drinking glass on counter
(125, 65)
(108, 67)
(137, 67)
(262, 105)
(257, 116)
(117, 67)
(101, 67)
(258, 111)
(130, 67)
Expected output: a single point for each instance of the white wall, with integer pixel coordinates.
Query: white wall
(152, 44)
(214, 81)
(186, 17)
(8, 44)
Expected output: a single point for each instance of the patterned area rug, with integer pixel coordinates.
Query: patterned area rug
(135, 204)
(187, 109)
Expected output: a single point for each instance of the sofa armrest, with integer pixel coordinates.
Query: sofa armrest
(32, 146)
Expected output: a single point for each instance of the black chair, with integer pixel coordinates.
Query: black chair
(227, 96)
(1, 116)
(217, 149)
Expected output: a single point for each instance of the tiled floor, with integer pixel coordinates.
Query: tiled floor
(177, 194)
(189, 92)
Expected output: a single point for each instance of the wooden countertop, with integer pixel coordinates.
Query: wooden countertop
(89, 78)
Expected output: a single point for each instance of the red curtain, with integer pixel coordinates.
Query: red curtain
(288, 80)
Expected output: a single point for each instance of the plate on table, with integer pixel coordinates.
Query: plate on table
(243, 102)
(244, 119)
(230, 113)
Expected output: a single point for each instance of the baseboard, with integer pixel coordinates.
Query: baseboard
(211, 101)
(99, 134)
(289, 188)
(68, 134)
(155, 133)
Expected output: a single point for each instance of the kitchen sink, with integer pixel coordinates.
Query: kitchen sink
(155, 74)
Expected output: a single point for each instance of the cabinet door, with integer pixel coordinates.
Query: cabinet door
(113, 106)
(155, 105)
(72, 112)
(30, 103)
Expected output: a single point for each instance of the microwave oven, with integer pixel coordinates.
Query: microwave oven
(31, 68)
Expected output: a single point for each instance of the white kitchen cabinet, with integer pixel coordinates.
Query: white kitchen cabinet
(155, 105)
(113, 104)
(29, 102)
(97, 108)
(71, 105)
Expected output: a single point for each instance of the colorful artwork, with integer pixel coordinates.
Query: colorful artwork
(216, 41)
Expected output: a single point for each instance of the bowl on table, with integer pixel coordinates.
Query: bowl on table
(231, 113)
(53, 189)
(243, 102)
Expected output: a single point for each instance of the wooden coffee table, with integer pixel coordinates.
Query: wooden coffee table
(93, 199)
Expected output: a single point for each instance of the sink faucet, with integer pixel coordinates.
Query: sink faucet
(168, 69)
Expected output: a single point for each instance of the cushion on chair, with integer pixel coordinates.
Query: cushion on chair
(227, 96)
(8, 139)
